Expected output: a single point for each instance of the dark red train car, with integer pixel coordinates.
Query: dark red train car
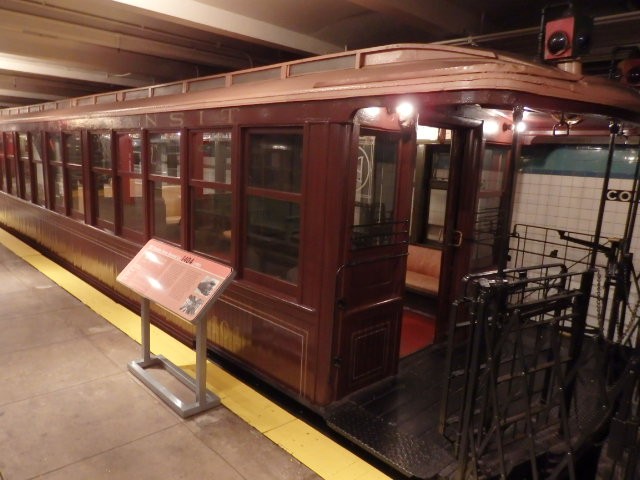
(310, 179)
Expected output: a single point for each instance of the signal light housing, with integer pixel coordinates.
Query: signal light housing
(629, 71)
(566, 38)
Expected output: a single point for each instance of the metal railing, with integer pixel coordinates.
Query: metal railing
(514, 342)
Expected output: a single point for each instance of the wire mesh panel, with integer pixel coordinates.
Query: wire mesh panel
(534, 245)
(614, 302)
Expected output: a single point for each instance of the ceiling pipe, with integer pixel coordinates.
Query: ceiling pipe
(202, 51)
(488, 37)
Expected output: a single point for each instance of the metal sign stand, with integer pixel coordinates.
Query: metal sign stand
(186, 285)
(204, 399)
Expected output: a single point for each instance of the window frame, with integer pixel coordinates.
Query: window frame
(70, 168)
(371, 226)
(97, 219)
(38, 197)
(51, 164)
(218, 186)
(152, 178)
(11, 163)
(122, 175)
(24, 169)
(263, 279)
(433, 183)
(3, 180)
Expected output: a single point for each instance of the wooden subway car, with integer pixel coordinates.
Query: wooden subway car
(310, 178)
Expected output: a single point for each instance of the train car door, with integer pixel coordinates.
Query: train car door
(476, 228)
(370, 281)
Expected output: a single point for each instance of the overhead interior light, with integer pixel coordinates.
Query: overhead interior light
(490, 127)
(518, 127)
(406, 112)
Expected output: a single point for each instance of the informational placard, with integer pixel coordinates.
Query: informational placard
(180, 281)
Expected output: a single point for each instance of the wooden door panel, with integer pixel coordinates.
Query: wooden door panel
(369, 282)
(369, 339)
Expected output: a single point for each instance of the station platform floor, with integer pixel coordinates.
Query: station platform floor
(70, 409)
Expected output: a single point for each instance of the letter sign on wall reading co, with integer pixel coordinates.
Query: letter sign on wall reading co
(619, 195)
(180, 281)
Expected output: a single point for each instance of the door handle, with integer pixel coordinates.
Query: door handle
(457, 238)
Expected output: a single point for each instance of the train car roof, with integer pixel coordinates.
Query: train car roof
(393, 69)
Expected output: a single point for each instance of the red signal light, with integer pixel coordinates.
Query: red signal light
(557, 38)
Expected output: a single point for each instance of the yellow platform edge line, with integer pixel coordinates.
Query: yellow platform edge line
(305, 443)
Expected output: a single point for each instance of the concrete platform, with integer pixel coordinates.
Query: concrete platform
(69, 408)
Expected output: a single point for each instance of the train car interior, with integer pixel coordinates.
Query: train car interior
(431, 189)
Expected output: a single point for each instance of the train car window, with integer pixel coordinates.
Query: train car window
(431, 184)
(76, 191)
(210, 157)
(38, 167)
(72, 148)
(274, 165)
(437, 192)
(375, 188)
(102, 179)
(491, 213)
(100, 150)
(24, 167)
(129, 173)
(56, 171)
(72, 161)
(166, 210)
(164, 154)
(10, 159)
(3, 167)
(166, 191)
(211, 193)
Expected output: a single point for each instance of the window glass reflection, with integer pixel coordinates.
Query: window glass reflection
(276, 161)
(132, 204)
(104, 196)
(72, 152)
(273, 237)
(100, 150)
(164, 154)
(210, 156)
(76, 190)
(212, 221)
(167, 211)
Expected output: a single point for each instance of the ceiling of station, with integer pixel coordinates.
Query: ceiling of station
(53, 49)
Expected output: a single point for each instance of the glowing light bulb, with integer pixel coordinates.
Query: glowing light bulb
(405, 110)
(490, 127)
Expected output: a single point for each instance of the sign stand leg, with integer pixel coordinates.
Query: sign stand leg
(201, 362)
(204, 399)
(146, 333)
